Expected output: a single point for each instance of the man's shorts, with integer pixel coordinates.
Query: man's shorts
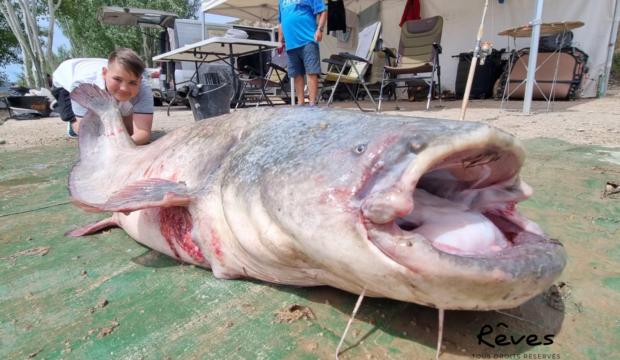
(304, 60)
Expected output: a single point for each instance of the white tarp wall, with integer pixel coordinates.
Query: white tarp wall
(462, 20)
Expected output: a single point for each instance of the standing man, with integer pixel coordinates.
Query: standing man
(298, 25)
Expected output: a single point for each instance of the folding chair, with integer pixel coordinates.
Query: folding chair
(418, 52)
(379, 60)
(355, 65)
(277, 77)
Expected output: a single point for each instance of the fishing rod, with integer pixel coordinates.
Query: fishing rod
(474, 60)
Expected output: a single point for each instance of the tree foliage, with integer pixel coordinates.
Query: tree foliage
(88, 38)
(9, 51)
(21, 16)
(62, 53)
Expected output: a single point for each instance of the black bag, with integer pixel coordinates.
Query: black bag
(336, 16)
(341, 92)
(26, 116)
(555, 42)
(18, 91)
(485, 76)
(417, 90)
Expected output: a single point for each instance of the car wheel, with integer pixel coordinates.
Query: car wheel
(157, 102)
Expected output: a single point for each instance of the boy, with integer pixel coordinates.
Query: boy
(120, 75)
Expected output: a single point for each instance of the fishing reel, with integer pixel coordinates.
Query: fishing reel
(485, 50)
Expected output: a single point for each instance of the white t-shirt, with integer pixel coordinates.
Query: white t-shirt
(74, 72)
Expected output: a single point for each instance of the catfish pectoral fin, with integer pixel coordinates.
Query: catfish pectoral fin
(144, 194)
(92, 227)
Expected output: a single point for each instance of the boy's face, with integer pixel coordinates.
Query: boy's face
(121, 83)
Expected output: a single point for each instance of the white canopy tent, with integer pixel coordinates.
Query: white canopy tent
(461, 23)
(260, 10)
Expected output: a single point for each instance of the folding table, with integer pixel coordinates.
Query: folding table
(220, 49)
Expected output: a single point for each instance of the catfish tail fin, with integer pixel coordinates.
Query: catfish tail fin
(103, 142)
(101, 106)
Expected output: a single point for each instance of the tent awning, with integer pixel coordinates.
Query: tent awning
(114, 15)
(265, 11)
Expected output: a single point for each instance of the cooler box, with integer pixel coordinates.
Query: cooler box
(37, 103)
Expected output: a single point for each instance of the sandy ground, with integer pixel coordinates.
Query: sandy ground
(586, 121)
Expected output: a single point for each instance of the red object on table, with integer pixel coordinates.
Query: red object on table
(281, 49)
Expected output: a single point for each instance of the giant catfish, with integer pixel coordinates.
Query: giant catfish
(413, 209)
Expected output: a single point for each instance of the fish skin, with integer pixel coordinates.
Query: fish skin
(308, 197)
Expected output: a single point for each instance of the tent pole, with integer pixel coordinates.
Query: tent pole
(611, 47)
(292, 81)
(531, 67)
(204, 31)
(474, 61)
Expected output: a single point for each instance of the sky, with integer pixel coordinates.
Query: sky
(14, 70)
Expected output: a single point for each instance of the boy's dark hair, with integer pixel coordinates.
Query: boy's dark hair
(128, 60)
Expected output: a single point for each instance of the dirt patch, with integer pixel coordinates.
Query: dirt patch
(39, 250)
(99, 305)
(557, 294)
(33, 354)
(312, 346)
(293, 313)
(604, 170)
(108, 330)
(612, 191)
(247, 308)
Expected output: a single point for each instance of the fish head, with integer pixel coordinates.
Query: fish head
(425, 211)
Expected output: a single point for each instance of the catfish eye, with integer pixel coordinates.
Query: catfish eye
(360, 148)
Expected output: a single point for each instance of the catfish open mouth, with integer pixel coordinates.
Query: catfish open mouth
(461, 201)
(455, 229)
(465, 204)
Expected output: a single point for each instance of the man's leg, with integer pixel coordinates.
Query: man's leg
(312, 64)
(313, 87)
(299, 89)
(296, 72)
(65, 110)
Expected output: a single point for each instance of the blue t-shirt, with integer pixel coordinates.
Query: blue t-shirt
(298, 19)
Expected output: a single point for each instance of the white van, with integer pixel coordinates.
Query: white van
(177, 33)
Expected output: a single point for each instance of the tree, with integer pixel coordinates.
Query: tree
(62, 53)
(16, 22)
(24, 25)
(88, 38)
(9, 51)
(50, 37)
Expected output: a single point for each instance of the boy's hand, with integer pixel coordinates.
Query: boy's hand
(318, 35)
(125, 108)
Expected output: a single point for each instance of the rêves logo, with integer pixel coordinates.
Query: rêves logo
(501, 340)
